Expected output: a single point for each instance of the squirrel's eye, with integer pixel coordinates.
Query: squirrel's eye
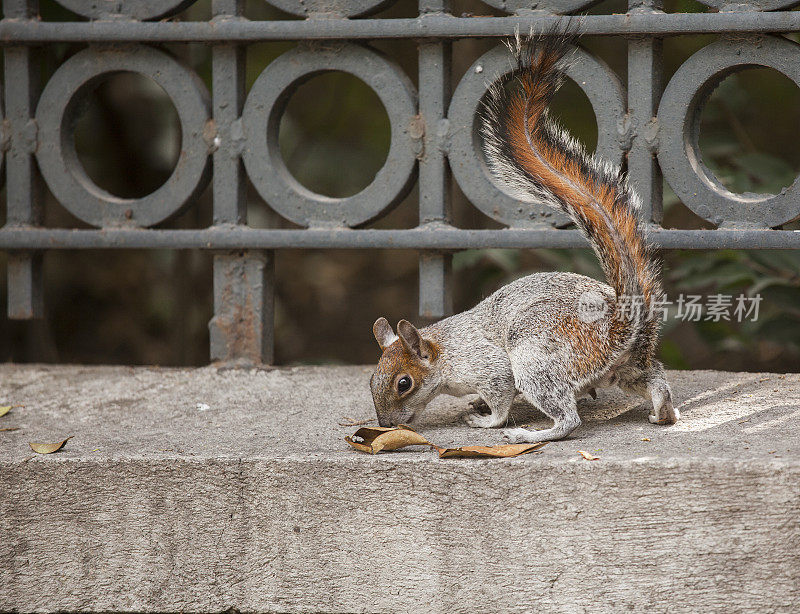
(403, 384)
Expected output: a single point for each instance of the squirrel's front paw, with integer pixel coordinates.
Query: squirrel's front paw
(481, 421)
(479, 406)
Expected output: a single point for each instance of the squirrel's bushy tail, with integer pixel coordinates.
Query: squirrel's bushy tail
(538, 162)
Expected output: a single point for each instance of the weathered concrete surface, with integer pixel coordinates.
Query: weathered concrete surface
(203, 490)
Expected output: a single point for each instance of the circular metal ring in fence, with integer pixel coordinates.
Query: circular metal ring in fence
(340, 8)
(133, 9)
(560, 7)
(57, 113)
(752, 5)
(679, 120)
(261, 118)
(594, 77)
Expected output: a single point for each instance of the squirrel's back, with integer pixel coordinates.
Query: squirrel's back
(538, 162)
(556, 312)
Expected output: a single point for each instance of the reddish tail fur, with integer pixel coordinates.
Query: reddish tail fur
(538, 162)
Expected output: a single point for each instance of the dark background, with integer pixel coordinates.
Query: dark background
(153, 307)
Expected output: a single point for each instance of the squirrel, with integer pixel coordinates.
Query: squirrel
(550, 337)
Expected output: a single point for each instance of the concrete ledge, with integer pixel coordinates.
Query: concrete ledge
(254, 501)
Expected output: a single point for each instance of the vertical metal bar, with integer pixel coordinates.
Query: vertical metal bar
(227, 77)
(22, 182)
(241, 330)
(435, 268)
(644, 93)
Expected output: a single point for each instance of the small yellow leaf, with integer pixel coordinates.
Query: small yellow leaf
(504, 451)
(588, 456)
(48, 448)
(377, 438)
(4, 409)
(645, 439)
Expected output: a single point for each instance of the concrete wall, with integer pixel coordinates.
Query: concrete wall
(257, 504)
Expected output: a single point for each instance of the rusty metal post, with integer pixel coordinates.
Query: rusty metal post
(23, 187)
(241, 330)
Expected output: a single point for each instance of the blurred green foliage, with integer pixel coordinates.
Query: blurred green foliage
(744, 156)
(153, 307)
(772, 275)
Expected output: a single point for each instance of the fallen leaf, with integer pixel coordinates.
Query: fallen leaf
(645, 439)
(9, 428)
(504, 451)
(377, 438)
(48, 448)
(588, 456)
(373, 439)
(4, 409)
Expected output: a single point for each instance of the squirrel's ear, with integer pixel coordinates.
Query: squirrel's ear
(384, 334)
(411, 339)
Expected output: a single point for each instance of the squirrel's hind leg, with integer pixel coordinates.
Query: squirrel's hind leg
(658, 390)
(652, 384)
(554, 396)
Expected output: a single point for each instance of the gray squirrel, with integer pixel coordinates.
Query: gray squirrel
(550, 337)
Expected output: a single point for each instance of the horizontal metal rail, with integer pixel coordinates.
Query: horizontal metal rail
(429, 26)
(438, 238)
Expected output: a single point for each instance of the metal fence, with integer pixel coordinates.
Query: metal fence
(432, 132)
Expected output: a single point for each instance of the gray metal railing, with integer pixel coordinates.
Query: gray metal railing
(432, 133)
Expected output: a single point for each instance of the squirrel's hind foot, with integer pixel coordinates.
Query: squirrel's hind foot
(661, 395)
(521, 435)
(666, 414)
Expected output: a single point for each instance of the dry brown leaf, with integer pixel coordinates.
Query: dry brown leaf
(645, 439)
(4, 409)
(504, 451)
(9, 428)
(377, 438)
(374, 439)
(588, 456)
(48, 448)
